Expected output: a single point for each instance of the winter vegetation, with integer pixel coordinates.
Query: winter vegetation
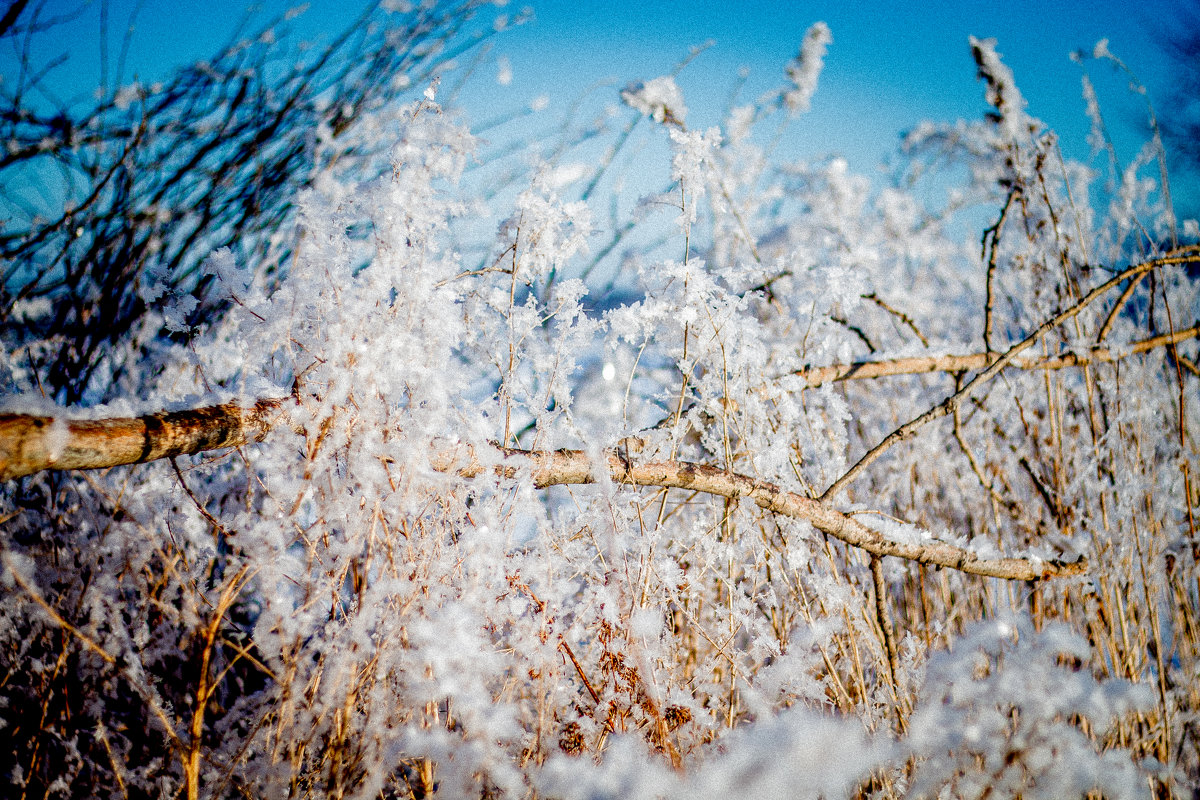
(345, 455)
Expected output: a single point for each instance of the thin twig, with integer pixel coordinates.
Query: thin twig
(1111, 319)
(885, 622)
(217, 526)
(947, 406)
(900, 315)
(975, 465)
(919, 365)
(856, 330)
(566, 648)
(989, 254)
(57, 618)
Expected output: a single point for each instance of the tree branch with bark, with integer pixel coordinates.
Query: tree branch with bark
(30, 444)
(33, 443)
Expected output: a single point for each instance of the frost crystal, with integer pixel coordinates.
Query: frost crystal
(659, 99)
(224, 266)
(1002, 92)
(806, 68)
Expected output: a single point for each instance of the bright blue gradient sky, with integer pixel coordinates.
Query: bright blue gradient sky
(890, 64)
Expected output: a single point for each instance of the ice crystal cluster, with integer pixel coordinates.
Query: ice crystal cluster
(385, 598)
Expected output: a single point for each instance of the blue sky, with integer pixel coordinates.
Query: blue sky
(890, 64)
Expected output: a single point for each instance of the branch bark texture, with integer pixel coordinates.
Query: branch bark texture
(918, 365)
(562, 467)
(30, 444)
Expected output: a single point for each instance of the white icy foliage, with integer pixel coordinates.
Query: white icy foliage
(659, 99)
(399, 620)
(1002, 715)
(1002, 91)
(806, 68)
(544, 232)
(234, 277)
(796, 755)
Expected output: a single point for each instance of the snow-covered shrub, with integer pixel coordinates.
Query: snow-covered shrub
(739, 523)
(978, 723)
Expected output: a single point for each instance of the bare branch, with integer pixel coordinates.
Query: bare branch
(919, 365)
(947, 406)
(29, 444)
(10, 16)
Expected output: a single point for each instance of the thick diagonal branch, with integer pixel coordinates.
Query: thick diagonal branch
(29, 444)
(562, 467)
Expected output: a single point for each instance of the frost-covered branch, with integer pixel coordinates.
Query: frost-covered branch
(30, 444)
(947, 406)
(565, 467)
(918, 365)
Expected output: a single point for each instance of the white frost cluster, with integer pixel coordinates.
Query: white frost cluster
(235, 278)
(396, 599)
(806, 68)
(659, 99)
(1002, 91)
(1002, 715)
